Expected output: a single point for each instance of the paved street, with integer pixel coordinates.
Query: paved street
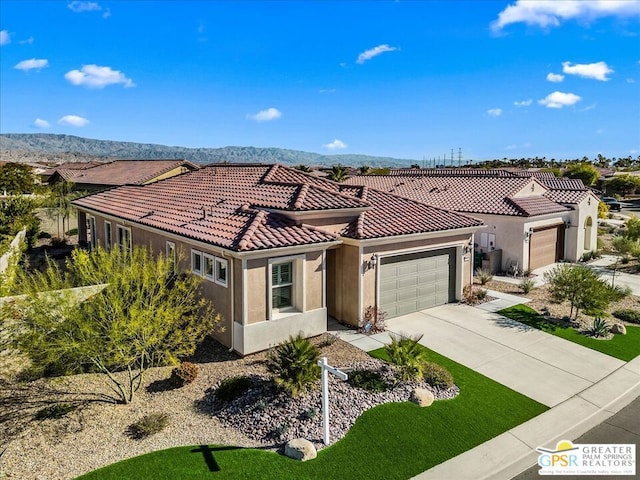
(623, 427)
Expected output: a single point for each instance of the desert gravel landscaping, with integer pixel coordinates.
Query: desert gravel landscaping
(95, 433)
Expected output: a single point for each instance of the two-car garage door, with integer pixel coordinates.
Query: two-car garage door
(410, 283)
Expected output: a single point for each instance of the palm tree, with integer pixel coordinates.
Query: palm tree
(303, 168)
(364, 169)
(338, 173)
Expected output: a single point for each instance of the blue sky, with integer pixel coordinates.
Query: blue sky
(408, 79)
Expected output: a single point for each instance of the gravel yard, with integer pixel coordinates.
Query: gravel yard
(95, 434)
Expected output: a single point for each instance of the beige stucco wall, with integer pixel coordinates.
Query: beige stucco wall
(349, 293)
(343, 280)
(575, 235)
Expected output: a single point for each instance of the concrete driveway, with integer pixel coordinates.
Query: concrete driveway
(534, 363)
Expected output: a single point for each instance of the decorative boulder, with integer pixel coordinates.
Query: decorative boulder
(619, 328)
(300, 449)
(422, 397)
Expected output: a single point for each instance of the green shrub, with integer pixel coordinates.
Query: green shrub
(232, 388)
(484, 276)
(44, 235)
(407, 354)
(57, 242)
(599, 328)
(368, 380)
(628, 315)
(294, 365)
(184, 374)
(473, 295)
(437, 376)
(526, 285)
(73, 231)
(328, 339)
(58, 410)
(148, 425)
(308, 414)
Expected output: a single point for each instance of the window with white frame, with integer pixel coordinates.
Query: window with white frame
(108, 239)
(282, 285)
(171, 254)
(221, 271)
(208, 266)
(124, 237)
(92, 229)
(196, 262)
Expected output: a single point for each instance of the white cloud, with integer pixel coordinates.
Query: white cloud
(335, 145)
(327, 90)
(265, 115)
(32, 64)
(28, 41)
(559, 100)
(494, 112)
(5, 37)
(597, 71)
(551, 13)
(94, 76)
(73, 121)
(374, 52)
(555, 77)
(523, 103)
(78, 6)
(631, 80)
(39, 123)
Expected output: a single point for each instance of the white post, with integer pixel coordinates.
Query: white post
(325, 400)
(325, 369)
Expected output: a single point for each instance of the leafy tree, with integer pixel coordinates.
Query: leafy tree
(139, 314)
(582, 287)
(16, 178)
(622, 184)
(583, 171)
(603, 210)
(364, 169)
(338, 173)
(59, 204)
(633, 228)
(622, 247)
(303, 168)
(17, 212)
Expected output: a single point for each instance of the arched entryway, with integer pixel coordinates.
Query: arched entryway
(588, 225)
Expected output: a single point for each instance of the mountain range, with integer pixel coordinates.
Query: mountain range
(38, 147)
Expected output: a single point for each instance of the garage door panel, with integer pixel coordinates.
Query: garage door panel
(543, 246)
(413, 283)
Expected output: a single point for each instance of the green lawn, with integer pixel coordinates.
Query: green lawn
(392, 441)
(625, 347)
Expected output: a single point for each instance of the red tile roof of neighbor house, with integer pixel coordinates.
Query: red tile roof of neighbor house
(122, 172)
(244, 207)
(483, 195)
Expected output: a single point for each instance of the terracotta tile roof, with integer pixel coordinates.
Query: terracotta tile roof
(242, 207)
(482, 195)
(122, 172)
(453, 172)
(532, 206)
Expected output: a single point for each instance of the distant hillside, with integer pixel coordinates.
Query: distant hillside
(31, 147)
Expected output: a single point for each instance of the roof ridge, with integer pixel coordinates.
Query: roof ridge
(302, 195)
(258, 218)
(270, 173)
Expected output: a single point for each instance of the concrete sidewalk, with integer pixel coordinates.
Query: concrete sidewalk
(583, 386)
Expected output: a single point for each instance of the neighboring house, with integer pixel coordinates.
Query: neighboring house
(280, 250)
(532, 220)
(101, 176)
(46, 173)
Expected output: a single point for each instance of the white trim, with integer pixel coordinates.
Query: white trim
(92, 226)
(108, 235)
(208, 261)
(170, 247)
(120, 228)
(298, 297)
(197, 254)
(220, 261)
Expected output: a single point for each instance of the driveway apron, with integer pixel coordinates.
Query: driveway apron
(539, 365)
